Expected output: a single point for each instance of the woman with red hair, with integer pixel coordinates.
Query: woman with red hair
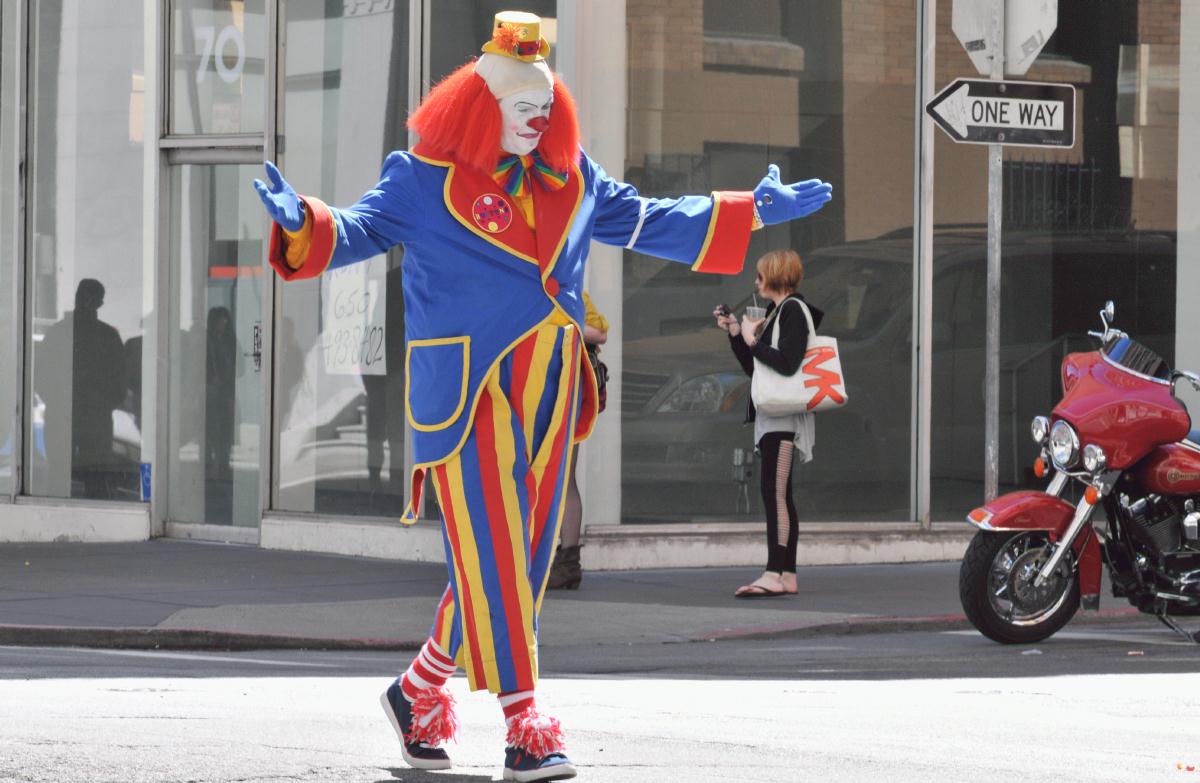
(496, 207)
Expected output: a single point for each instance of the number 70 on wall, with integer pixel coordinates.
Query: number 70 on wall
(213, 45)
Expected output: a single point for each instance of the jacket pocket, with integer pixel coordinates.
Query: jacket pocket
(435, 375)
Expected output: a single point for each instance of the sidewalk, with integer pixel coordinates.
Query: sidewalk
(180, 594)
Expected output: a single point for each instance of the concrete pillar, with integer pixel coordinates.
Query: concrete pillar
(1187, 264)
(592, 62)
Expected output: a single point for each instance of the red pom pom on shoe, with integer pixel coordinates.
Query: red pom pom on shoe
(442, 727)
(536, 734)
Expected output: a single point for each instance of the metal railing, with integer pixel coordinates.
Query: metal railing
(1051, 194)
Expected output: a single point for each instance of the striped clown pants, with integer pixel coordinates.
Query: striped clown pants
(501, 498)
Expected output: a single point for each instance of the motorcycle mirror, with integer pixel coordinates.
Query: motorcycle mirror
(1191, 377)
(1108, 312)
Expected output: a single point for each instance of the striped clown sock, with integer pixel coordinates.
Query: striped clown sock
(514, 703)
(430, 669)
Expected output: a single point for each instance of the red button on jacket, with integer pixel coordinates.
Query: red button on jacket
(551, 286)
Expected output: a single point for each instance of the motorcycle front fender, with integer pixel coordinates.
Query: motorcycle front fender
(1026, 510)
(1029, 510)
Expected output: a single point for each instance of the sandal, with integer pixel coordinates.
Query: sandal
(757, 591)
(760, 588)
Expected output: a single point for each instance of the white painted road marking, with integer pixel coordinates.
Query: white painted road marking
(178, 656)
(1166, 639)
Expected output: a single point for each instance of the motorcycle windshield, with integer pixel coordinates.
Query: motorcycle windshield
(1132, 355)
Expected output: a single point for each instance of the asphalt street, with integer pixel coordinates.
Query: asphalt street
(1085, 727)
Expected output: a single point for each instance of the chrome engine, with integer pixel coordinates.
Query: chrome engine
(1156, 521)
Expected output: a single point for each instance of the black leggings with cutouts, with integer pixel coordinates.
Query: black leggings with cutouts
(777, 451)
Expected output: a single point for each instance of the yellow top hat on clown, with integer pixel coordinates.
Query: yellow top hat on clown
(519, 35)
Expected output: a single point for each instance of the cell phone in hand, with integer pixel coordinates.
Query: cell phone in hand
(723, 309)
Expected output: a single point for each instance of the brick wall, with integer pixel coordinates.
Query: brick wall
(878, 78)
(1158, 21)
(676, 106)
(1154, 152)
(879, 40)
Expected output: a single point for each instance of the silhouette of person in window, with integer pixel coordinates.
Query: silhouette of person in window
(223, 366)
(97, 387)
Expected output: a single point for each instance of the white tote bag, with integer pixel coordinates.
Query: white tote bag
(817, 386)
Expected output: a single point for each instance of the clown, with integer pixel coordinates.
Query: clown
(496, 207)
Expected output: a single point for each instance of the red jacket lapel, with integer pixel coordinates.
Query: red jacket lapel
(483, 208)
(553, 213)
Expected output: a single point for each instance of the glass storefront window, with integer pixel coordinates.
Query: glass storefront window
(217, 66)
(340, 341)
(715, 95)
(215, 345)
(1081, 225)
(82, 434)
(10, 120)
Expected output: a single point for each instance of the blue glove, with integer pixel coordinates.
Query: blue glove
(282, 203)
(779, 203)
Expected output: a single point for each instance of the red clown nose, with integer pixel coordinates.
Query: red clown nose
(539, 124)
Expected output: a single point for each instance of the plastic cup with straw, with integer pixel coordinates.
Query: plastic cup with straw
(755, 312)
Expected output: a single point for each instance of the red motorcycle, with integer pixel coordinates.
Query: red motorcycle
(1119, 439)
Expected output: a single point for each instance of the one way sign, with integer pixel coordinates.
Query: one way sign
(1031, 114)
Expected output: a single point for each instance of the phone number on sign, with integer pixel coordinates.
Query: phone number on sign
(348, 348)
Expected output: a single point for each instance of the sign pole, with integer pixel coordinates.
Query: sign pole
(991, 468)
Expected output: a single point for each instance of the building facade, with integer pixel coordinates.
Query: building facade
(162, 382)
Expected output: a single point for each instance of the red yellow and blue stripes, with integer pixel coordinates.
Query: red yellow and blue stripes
(501, 498)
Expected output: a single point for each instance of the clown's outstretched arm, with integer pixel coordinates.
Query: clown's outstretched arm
(308, 236)
(711, 233)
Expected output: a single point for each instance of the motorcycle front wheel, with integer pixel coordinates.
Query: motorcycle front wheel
(995, 585)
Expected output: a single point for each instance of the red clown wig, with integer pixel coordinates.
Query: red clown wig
(460, 119)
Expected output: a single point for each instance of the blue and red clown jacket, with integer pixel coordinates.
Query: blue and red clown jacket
(477, 279)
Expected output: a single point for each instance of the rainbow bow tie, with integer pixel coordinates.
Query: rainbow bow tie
(514, 173)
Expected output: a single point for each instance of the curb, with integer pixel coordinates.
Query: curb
(185, 639)
(231, 641)
(867, 624)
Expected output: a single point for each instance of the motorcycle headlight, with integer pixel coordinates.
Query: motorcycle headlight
(1094, 458)
(1040, 429)
(1064, 444)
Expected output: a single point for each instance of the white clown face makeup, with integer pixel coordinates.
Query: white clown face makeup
(525, 116)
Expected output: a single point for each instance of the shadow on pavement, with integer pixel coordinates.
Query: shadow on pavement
(407, 775)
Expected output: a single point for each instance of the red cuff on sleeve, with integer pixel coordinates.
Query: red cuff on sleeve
(724, 248)
(320, 252)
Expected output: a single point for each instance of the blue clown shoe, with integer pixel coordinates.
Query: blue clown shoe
(534, 749)
(419, 744)
(523, 766)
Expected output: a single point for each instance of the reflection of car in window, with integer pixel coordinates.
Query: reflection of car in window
(683, 401)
